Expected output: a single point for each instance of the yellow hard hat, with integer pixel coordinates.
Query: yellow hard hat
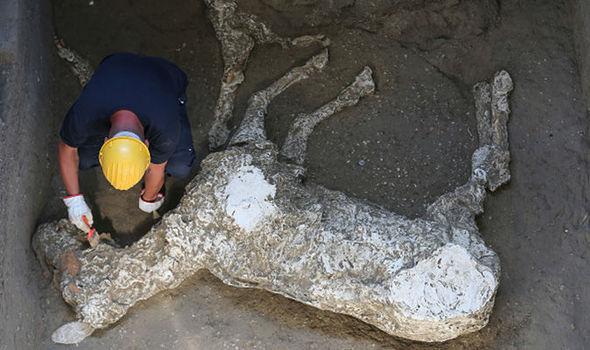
(124, 160)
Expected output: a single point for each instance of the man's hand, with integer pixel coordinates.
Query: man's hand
(150, 206)
(77, 208)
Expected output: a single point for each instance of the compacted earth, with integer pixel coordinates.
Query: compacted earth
(400, 148)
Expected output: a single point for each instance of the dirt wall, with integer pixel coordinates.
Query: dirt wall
(581, 24)
(26, 82)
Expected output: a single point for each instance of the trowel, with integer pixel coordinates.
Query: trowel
(93, 237)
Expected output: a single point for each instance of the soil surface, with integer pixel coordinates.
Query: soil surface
(400, 148)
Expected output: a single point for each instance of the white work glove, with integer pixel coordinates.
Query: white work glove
(77, 208)
(150, 206)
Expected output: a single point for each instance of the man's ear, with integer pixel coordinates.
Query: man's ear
(106, 138)
(147, 143)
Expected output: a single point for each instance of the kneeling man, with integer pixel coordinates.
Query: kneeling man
(131, 120)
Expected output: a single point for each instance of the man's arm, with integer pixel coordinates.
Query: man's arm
(77, 207)
(154, 180)
(68, 167)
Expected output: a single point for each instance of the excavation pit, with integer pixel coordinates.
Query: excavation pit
(526, 222)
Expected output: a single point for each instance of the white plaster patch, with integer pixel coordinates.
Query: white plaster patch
(448, 284)
(249, 197)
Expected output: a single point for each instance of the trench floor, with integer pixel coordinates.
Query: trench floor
(400, 148)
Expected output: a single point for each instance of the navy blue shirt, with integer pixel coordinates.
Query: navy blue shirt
(150, 87)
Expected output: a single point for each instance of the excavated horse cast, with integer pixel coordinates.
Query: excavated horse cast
(249, 219)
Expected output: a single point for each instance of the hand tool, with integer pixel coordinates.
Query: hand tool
(93, 237)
